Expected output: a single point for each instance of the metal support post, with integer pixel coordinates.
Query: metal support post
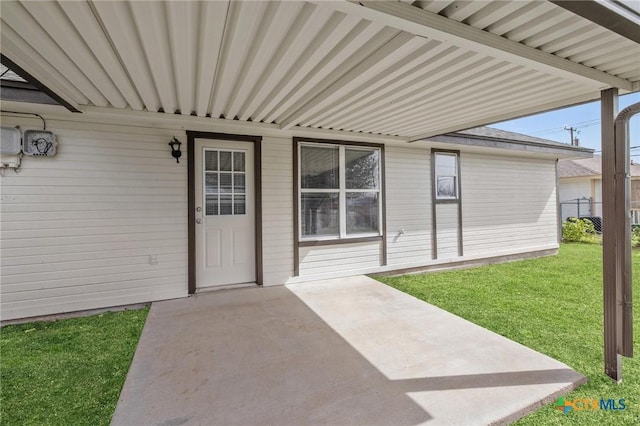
(609, 110)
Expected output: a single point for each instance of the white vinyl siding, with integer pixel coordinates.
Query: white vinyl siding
(508, 204)
(582, 188)
(447, 230)
(570, 190)
(277, 210)
(103, 223)
(408, 196)
(344, 259)
(597, 197)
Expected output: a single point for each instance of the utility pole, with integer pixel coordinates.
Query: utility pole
(574, 141)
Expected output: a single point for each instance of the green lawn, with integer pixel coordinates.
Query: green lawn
(67, 372)
(553, 305)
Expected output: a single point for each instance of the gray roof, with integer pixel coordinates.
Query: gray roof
(587, 167)
(495, 138)
(493, 133)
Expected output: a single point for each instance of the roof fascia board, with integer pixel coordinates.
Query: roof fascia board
(515, 145)
(607, 14)
(127, 117)
(427, 24)
(190, 122)
(110, 116)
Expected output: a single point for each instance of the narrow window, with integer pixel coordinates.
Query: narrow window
(446, 175)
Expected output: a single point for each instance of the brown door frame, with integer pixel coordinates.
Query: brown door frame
(191, 198)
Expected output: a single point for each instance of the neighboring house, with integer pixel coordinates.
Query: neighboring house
(319, 140)
(580, 188)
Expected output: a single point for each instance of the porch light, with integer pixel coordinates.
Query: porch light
(175, 149)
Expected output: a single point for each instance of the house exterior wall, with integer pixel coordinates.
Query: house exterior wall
(340, 259)
(569, 190)
(635, 193)
(447, 230)
(507, 203)
(408, 195)
(590, 187)
(104, 222)
(277, 210)
(572, 189)
(596, 185)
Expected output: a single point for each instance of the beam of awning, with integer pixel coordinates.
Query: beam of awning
(426, 24)
(616, 16)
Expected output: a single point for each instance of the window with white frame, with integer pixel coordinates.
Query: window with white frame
(446, 175)
(339, 190)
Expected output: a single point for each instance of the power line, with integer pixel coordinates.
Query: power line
(633, 147)
(561, 128)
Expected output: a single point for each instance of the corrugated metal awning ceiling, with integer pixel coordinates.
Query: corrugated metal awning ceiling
(391, 68)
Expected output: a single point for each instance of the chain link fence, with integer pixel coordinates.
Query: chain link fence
(586, 208)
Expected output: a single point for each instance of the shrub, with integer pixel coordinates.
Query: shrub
(635, 237)
(579, 231)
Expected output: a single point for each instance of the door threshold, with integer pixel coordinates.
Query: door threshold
(224, 287)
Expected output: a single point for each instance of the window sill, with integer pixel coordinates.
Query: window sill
(447, 200)
(336, 241)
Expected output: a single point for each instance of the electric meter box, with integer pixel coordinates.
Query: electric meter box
(10, 141)
(39, 143)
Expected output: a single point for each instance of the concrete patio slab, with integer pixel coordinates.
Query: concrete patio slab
(350, 351)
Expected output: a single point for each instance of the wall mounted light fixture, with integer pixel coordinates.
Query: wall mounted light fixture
(175, 149)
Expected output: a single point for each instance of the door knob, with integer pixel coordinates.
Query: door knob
(198, 209)
(198, 221)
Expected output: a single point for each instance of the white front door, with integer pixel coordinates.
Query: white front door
(225, 213)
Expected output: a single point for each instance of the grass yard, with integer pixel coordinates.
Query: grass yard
(552, 305)
(67, 372)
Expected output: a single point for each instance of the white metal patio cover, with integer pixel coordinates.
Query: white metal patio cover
(400, 69)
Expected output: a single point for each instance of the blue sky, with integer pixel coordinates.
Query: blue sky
(586, 118)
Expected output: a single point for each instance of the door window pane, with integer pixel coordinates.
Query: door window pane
(225, 161)
(239, 183)
(211, 161)
(238, 161)
(319, 167)
(319, 214)
(211, 207)
(226, 202)
(225, 182)
(361, 168)
(211, 183)
(239, 204)
(362, 212)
